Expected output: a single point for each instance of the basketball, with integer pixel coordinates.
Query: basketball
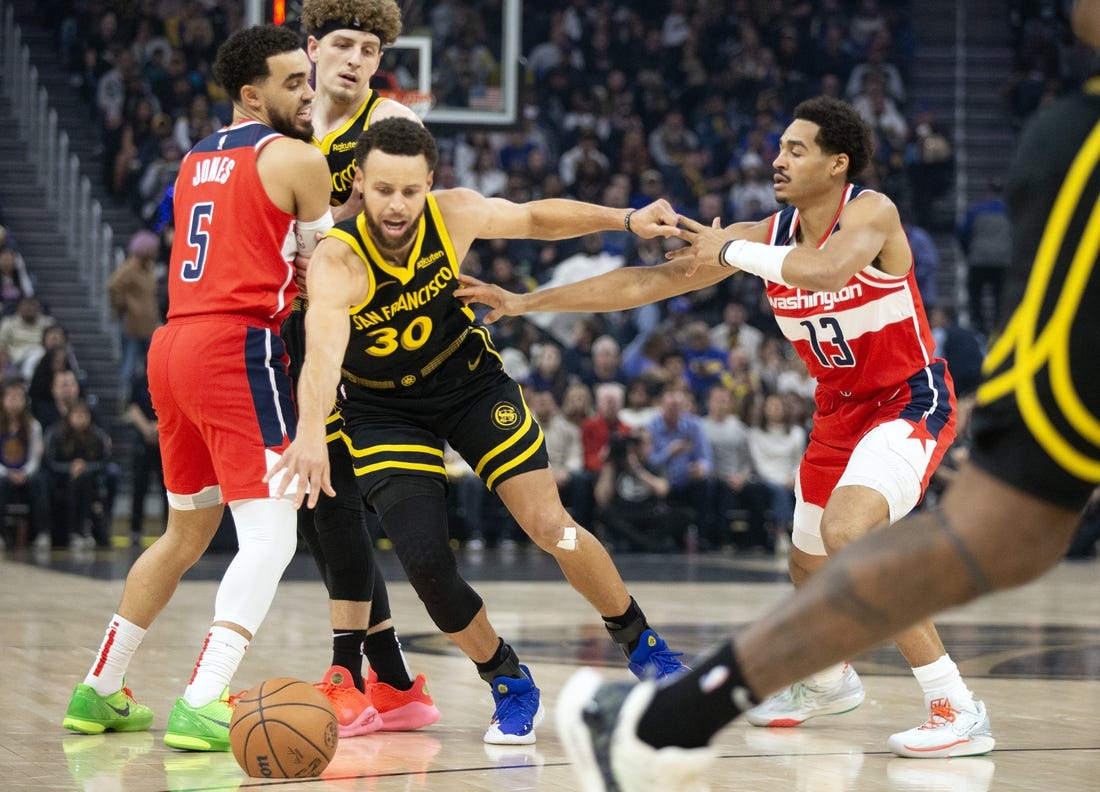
(283, 728)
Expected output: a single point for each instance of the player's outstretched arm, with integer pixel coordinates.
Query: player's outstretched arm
(335, 283)
(618, 290)
(705, 243)
(471, 216)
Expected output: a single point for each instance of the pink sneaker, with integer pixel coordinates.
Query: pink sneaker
(402, 710)
(355, 712)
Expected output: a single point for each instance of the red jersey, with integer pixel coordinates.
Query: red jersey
(869, 337)
(227, 257)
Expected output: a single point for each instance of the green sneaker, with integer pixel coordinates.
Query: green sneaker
(204, 728)
(91, 713)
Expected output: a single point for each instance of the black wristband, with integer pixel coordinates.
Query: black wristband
(626, 220)
(722, 254)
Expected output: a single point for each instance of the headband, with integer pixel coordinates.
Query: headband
(344, 24)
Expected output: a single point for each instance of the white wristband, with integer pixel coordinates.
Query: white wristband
(756, 258)
(305, 233)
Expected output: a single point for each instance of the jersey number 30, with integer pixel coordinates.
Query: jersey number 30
(198, 235)
(387, 341)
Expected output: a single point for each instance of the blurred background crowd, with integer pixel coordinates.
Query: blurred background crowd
(676, 425)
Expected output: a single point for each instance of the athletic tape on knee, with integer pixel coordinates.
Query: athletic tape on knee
(568, 539)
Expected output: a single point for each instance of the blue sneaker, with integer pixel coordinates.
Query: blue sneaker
(519, 710)
(652, 659)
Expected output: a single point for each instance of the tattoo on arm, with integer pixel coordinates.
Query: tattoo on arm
(846, 599)
(973, 568)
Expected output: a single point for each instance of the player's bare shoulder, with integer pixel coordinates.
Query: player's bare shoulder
(872, 206)
(295, 175)
(292, 155)
(391, 108)
(462, 205)
(875, 211)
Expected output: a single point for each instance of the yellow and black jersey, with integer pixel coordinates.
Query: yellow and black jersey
(410, 321)
(1038, 422)
(338, 147)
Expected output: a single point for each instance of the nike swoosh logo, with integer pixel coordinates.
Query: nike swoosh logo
(124, 712)
(223, 724)
(473, 364)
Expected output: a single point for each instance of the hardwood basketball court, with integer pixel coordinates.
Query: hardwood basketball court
(1033, 656)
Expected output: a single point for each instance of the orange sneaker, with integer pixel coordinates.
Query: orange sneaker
(402, 710)
(355, 712)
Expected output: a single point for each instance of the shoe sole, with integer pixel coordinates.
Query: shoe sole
(186, 742)
(519, 739)
(409, 717)
(367, 722)
(572, 730)
(789, 723)
(95, 727)
(973, 746)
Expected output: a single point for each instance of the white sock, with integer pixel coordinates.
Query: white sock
(941, 679)
(829, 678)
(221, 654)
(120, 641)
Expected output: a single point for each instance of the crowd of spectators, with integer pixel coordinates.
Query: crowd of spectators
(55, 461)
(691, 413)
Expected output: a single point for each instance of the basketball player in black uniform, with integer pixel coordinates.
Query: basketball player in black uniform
(345, 44)
(1008, 517)
(415, 369)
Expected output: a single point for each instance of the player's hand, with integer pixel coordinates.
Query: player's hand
(503, 303)
(655, 219)
(704, 244)
(303, 466)
(301, 264)
(349, 208)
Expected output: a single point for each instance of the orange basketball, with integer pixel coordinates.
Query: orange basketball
(283, 728)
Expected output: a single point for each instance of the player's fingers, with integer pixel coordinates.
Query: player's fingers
(691, 225)
(272, 471)
(492, 316)
(716, 222)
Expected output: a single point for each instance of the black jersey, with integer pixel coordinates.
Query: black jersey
(338, 147)
(1039, 405)
(410, 320)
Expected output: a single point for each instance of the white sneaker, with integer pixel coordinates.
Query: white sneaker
(800, 702)
(597, 724)
(949, 731)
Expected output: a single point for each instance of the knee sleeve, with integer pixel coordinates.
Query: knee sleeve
(380, 598)
(266, 541)
(413, 512)
(347, 556)
(307, 530)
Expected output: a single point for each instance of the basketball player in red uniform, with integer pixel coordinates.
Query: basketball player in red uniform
(840, 281)
(218, 379)
(1008, 517)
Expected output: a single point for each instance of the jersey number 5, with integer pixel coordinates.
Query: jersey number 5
(198, 236)
(845, 358)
